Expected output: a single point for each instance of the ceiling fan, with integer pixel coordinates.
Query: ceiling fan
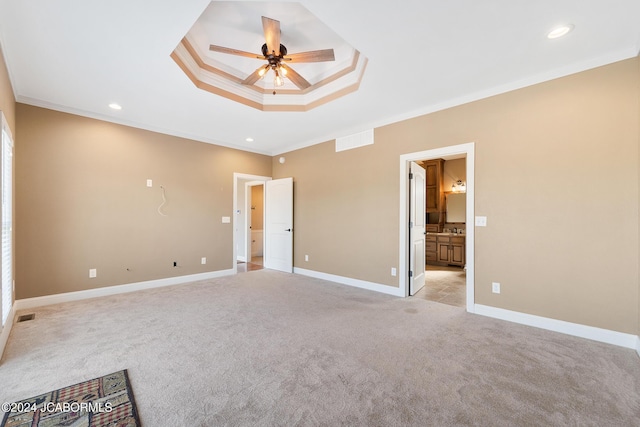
(277, 57)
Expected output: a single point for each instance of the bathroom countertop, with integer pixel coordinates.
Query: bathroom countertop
(447, 234)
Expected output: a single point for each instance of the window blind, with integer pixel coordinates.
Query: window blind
(7, 224)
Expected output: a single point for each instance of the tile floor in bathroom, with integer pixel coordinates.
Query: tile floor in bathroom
(446, 285)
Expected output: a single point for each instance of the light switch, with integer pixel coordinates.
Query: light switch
(226, 219)
(149, 183)
(93, 273)
(481, 221)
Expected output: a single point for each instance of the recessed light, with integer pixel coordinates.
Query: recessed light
(560, 31)
(115, 106)
(249, 139)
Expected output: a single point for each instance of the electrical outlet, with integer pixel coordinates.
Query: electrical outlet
(306, 257)
(495, 287)
(149, 183)
(394, 272)
(175, 263)
(481, 221)
(226, 220)
(203, 260)
(93, 273)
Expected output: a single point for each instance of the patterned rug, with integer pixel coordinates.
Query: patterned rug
(100, 402)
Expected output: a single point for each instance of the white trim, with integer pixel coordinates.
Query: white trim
(363, 284)
(6, 330)
(467, 149)
(583, 331)
(638, 345)
(591, 63)
(6, 127)
(28, 303)
(136, 124)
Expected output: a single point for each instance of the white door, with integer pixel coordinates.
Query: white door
(417, 219)
(278, 251)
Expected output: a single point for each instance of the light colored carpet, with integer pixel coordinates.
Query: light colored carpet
(267, 348)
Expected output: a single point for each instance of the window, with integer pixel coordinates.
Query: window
(7, 221)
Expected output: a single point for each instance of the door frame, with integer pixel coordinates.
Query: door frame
(467, 149)
(237, 178)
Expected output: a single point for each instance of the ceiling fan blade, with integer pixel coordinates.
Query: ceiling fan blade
(296, 78)
(230, 51)
(312, 56)
(271, 29)
(253, 77)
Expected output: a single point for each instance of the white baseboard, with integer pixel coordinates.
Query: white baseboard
(596, 334)
(6, 330)
(620, 339)
(390, 290)
(24, 304)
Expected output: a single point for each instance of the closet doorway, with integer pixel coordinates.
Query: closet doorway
(254, 227)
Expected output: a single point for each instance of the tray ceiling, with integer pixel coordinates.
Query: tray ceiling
(422, 56)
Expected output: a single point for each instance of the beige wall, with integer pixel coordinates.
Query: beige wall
(556, 168)
(257, 207)
(454, 170)
(82, 202)
(7, 98)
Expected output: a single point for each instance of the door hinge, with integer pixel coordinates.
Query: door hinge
(410, 273)
(410, 175)
(410, 224)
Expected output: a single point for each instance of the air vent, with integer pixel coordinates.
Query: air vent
(354, 141)
(26, 317)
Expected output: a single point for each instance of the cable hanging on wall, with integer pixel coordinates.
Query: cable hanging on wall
(164, 201)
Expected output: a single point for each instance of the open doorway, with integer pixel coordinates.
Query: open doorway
(242, 220)
(445, 263)
(277, 240)
(449, 239)
(254, 227)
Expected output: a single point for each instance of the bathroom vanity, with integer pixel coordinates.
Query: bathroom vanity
(445, 249)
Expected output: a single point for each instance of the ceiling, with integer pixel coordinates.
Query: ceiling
(78, 56)
(234, 23)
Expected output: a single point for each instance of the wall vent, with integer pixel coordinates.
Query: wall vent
(354, 141)
(26, 317)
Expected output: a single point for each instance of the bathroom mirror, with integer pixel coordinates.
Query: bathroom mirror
(456, 207)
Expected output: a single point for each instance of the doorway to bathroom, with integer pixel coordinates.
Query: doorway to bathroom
(447, 249)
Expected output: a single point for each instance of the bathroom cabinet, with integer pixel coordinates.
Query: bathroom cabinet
(445, 249)
(435, 194)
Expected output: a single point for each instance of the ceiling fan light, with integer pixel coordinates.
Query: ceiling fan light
(283, 71)
(278, 81)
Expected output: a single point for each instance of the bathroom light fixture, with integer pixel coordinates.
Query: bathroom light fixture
(249, 139)
(115, 106)
(459, 186)
(560, 31)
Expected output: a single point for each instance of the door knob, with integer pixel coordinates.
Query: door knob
(288, 229)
